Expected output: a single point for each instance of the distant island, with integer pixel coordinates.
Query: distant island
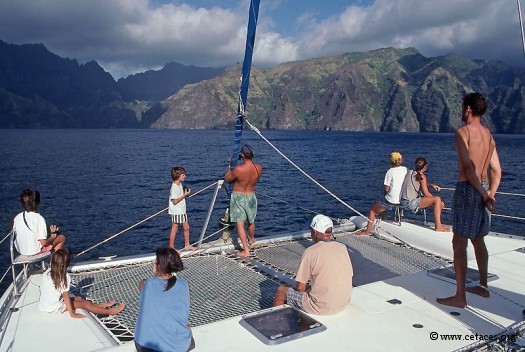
(380, 90)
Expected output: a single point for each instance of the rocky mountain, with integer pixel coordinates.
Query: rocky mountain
(381, 90)
(158, 85)
(39, 89)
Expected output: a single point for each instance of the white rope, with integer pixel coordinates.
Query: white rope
(508, 216)
(499, 215)
(504, 193)
(288, 203)
(3, 239)
(140, 222)
(3, 276)
(301, 170)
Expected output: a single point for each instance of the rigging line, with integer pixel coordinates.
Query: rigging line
(3, 239)
(301, 170)
(140, 222)
(288, 203)
(521, 27)
(499, 215)
(3, 276)
(504, 193)
(508, 216)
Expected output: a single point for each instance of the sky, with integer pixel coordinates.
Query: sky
(131, 36)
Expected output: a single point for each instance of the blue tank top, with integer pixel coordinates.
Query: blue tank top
(163, 318)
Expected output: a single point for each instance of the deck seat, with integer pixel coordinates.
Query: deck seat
(24, 260)
(398, 216)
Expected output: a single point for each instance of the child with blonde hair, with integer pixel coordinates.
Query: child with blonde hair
(54, 291)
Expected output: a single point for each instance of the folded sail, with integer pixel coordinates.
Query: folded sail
(245, 79)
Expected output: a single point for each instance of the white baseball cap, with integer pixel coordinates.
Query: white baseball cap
(321, 223)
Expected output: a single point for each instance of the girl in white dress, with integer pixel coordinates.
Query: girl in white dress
(54, 291)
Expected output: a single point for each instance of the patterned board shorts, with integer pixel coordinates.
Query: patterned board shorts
(470, 216)
(294, 298)
(179, 218)
(243, 207)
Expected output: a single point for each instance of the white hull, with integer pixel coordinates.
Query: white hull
(370, 322)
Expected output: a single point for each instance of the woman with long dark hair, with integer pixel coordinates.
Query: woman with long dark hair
(415, 194)
(163, 321)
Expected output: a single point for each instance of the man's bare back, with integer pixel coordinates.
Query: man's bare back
(245, 176)
(477, 153)
(480, 145)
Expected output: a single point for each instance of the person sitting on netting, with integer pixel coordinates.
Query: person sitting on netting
(328, 268)
(163, 323)
(415, 194)
(393, 181)
(31, 230)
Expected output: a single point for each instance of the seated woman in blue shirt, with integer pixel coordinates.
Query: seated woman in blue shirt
(163, 321)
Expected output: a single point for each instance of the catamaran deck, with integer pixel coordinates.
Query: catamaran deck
(392, 307)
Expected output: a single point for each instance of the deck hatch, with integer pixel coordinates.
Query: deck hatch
(278, 325)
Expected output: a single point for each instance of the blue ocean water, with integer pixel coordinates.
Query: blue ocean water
(95, 183)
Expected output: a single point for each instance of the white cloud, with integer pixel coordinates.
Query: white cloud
(486, 29)
(129, 36)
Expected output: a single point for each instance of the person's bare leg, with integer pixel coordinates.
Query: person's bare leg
(377, 208)
(187, 244)
(459, 244)
(79, 302)
(242, 236)
(251, 233)
(437, 206)
(280, 296)
(106, 304)
(173, 233)
(482, 258)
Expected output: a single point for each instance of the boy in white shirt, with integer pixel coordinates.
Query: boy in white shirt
(177, 207)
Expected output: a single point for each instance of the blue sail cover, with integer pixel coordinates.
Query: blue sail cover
(245, 80)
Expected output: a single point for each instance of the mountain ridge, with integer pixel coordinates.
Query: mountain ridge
(385, 89)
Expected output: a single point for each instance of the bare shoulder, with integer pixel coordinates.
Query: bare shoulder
(461, 134)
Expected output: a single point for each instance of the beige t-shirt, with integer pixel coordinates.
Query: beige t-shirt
(328, 267)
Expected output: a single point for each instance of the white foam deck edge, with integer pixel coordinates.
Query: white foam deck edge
(32, 330)
(368, 323)
(371, 323)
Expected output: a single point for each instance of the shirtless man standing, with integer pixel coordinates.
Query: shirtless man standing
(243, 203)
(473, 199)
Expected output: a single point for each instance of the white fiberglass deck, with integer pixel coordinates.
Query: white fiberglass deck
(398, 313)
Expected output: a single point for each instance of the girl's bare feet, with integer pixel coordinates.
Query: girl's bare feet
(106, 305)
(117, 309)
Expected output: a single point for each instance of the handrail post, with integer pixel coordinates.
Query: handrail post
(210, 210)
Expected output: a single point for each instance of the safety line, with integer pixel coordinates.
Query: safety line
(140, 222)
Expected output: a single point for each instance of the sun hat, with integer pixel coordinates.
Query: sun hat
(321, 223)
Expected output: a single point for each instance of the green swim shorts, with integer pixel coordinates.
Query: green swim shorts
(243, 207)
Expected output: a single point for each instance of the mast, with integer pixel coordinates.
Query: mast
(245, 78)
(521, 27)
